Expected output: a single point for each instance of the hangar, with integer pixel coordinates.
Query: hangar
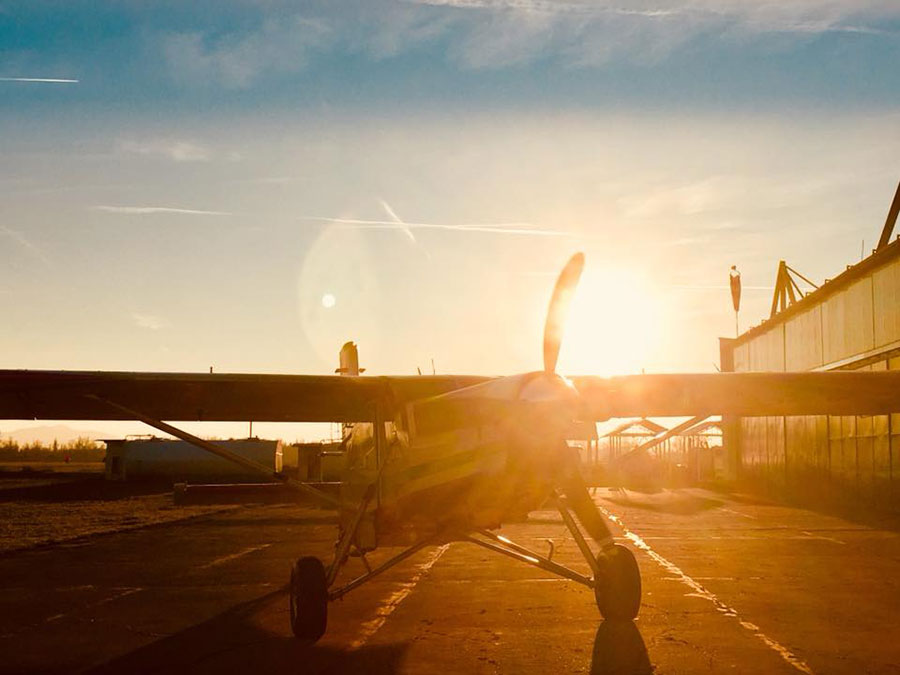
(851, 322)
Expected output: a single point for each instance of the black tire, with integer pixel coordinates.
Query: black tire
(309, 599)
(617, 588)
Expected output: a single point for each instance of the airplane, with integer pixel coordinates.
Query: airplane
(433, 459)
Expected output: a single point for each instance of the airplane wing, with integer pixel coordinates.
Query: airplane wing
(85, 395)
(743, 394)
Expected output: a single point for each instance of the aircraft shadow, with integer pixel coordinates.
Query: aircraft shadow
(227, 521)
(676, 502)
(232, 643)
(619, 649)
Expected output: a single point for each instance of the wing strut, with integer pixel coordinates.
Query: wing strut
(221, 452)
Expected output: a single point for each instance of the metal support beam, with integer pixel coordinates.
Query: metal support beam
(381, 448)
(890, 221)
(222, 452)
(661, 438)
(529, 558)
(358, 581)
(503, 546)
(787, 290)
(346, 540)
(576, 534)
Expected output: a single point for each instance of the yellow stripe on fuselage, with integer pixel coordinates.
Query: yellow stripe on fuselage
(442, 458)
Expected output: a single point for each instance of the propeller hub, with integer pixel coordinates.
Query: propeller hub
(551, 405)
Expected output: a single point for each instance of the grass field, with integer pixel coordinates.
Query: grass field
(38, 466)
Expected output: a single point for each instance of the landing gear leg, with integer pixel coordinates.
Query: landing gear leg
(310, 581)
(617, 579)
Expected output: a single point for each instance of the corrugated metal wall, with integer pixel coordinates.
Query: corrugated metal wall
(857, 457)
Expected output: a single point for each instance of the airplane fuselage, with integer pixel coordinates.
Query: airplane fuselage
(435, 474)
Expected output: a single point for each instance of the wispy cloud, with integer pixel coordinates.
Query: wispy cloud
(594, 33)
(153, 210)
(23, 241)
(148, 321)
(40, 80)
(486, 34)
(176, 150)
(236, 59)
(800, 15)
(269, 180)
(519, 229)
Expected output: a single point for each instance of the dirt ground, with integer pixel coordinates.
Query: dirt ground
(64, 502)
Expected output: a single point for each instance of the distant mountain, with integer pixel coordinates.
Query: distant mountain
(57, 432)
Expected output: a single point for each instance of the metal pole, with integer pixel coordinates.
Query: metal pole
(533, 559)
(400, 557)
(576, 534)
(343, 547)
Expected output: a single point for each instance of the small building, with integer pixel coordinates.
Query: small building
(320, 462)
(150, 458)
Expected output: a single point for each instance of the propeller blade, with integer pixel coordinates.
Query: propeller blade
(559, 308)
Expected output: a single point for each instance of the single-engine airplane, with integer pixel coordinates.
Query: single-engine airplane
(434, 459)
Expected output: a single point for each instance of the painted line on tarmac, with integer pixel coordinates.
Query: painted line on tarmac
(120, 593)
(233, 556)
(701, 592)
(810, 535)
(737, 513)
(803, 536)
(387, 608)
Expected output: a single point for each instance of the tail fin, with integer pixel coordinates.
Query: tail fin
(349, 360)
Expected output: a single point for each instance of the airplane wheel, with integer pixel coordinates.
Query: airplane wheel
(309, 599)
(618, 588)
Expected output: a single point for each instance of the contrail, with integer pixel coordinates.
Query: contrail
(396, 219)
(498, 228)
(20, 238)
(45, 80)
(149, 210)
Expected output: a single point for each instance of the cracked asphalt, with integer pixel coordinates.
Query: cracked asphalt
(730, 585)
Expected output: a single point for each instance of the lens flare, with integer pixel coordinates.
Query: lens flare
(614, 324)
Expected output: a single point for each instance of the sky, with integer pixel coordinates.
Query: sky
(247, 185)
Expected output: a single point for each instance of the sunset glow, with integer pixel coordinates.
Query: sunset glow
(614, 324)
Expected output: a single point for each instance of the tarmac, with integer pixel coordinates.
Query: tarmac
(731, 585)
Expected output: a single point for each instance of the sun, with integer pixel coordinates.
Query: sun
(328, 300)
(613, 326)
